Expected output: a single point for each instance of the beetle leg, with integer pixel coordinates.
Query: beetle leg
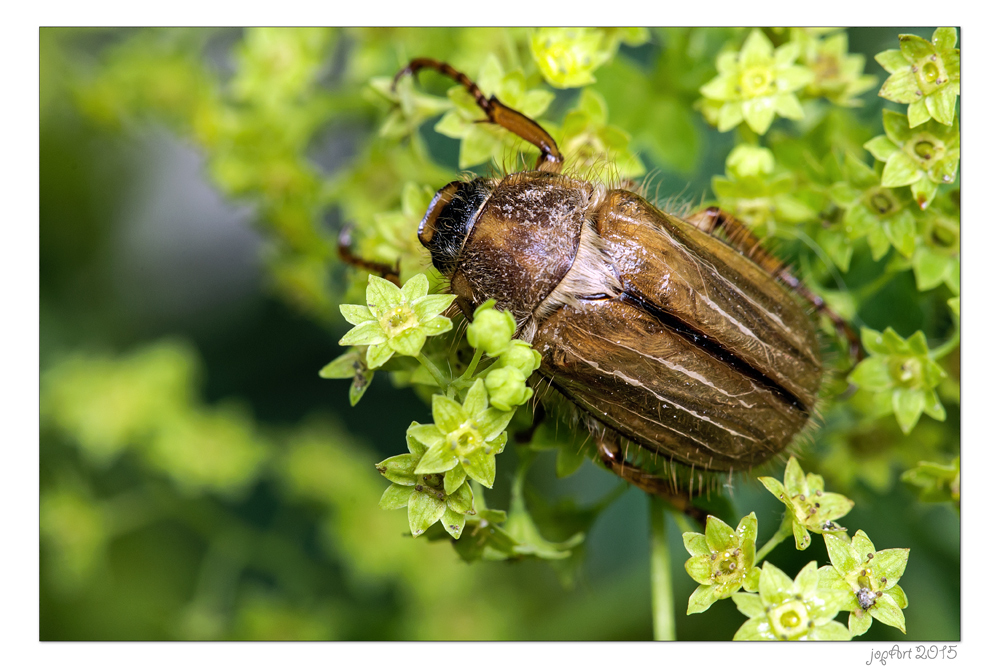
(348, 257)
(743, 239)
(612, 458)
(497, 112)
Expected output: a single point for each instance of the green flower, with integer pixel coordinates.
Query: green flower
(568, 57)
(869, 578)
(598, 149)
(464, 439)
(410, 106)
(924, 75)
(721, 561)
(937, 482)
(754, 194)
(395, 320)
(491, 329)
(937, 259)
(425, 496)
(873, 212)
(350, 365)
(901, 372)
(755, 84)
(484, 141)
(807, 506)
(787, 610)
(837, 75)
(920, 157)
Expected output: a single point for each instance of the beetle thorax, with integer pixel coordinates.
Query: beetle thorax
(521, 243)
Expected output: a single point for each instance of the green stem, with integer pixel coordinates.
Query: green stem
(662, 588)
(784, 530)
(947, 346)
(473, 364)
(433, 370)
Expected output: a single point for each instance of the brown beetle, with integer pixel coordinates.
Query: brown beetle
(661, 333)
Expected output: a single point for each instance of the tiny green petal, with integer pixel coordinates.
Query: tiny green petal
(395, 497)
(437, 459)
(366, 333)
(701, 599)
(481, 467)
(356, 314)
(382, 295)
(448, 415)
(423, 511)
(453, 479)
(887, 611)
(378, 354)
(908, 404)
(416, 288)
(696, 544)
(749, 604)
(858, 623)
(453, 522)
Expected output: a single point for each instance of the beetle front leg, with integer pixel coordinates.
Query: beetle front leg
(743, 239)
(348, 257)
(613, 459)
(496, 112)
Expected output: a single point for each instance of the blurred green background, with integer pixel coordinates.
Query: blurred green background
(200, 481)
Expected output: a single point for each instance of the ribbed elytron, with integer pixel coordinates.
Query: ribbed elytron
(661, 333)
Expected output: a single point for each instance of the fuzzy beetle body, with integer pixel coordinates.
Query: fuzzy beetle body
(665, 335)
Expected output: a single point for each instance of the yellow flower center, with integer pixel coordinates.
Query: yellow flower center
(398, 320)
(789, 620)
(757, 81)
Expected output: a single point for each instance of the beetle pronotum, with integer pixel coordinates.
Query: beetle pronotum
(661, 333)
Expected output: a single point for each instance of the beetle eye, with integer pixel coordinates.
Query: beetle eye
(449, 219)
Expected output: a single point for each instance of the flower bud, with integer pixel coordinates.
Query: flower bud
(491, 331)
(506, 388)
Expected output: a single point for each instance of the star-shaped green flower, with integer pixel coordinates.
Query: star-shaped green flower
(483, 141)
(598, 149)
(920, 157)
(721, 561)
(755, 84)
(395, 320)
(874, 212)
(937, 482)
(787, 610)
(807, 506)
(567, 57)
(424, 495)
(937, 258)
(901, 373)
(837, 75)
(464, 439)
(925, 75)
(755, 194)
(869, 577)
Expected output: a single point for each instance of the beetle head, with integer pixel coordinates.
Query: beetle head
(449, 220)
